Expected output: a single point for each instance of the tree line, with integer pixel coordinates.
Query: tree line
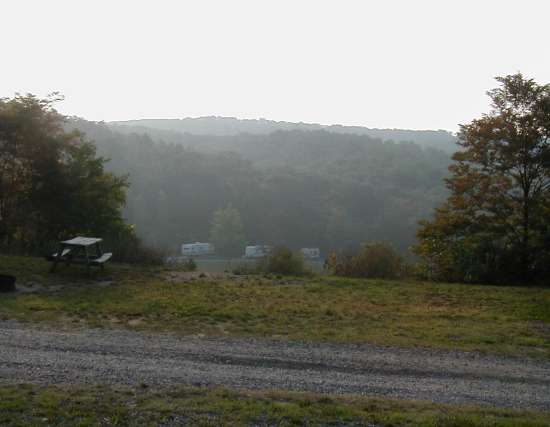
(62, 176)
(194, 128)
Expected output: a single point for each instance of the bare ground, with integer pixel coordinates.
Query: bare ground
(96, 356)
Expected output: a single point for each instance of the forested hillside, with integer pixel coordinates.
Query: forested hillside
(297, 188)
(225, 126)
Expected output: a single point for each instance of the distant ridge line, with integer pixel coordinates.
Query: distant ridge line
(230, 126)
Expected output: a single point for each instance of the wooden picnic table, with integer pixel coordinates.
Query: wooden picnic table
(83, 250)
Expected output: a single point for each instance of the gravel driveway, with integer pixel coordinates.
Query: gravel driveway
(36, 355)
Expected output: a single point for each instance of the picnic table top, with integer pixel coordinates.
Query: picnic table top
(82, 241)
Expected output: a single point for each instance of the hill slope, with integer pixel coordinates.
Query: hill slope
(226, 126)
(294, 188)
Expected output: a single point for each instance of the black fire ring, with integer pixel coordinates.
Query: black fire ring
(7, 283)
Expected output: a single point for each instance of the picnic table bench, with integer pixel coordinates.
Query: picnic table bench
(81, 250)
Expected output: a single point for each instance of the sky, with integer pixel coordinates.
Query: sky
(386, 64)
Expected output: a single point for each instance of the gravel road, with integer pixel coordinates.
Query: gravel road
(37, 355)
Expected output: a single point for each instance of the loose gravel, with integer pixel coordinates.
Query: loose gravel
(97, 356)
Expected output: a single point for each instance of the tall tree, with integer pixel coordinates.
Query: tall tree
(227, 231)
(495, 224)
(52, 184)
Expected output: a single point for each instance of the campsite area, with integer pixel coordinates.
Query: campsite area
(157, 345)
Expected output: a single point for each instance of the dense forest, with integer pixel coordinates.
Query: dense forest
(298, 188)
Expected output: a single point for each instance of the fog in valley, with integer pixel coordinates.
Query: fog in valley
(275, 213)
(289, 137)
(289, 184)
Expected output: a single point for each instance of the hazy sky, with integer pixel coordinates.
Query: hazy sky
(405, 64)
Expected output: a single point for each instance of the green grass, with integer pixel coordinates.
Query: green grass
(510, 320)
(26, 405)
(230, 264)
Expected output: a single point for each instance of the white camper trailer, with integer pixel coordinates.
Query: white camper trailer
(310, 253)
(257, 251)
(197, 248)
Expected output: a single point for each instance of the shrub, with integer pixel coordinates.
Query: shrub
(374, 260)
(127, 247)
(245, 269)
(283, 261)
(189, 265)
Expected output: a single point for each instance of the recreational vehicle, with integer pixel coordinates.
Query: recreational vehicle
(258, 251)
(197, 248)
(310, 253)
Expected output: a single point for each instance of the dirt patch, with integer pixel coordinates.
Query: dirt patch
(135, 322)
(29, 287)
(542, 327)
(105, 283)
(184, 276)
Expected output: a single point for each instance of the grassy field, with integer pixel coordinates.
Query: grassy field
(501, 320)
(26, 405)
(229, 264)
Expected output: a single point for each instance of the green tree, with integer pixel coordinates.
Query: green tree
(495, 224)
(52, 184)
(227, 231)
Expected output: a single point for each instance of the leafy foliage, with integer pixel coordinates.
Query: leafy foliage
(283, 261)
(189, 265)
(227, 231)
(127, 247)
(52, 184)
(374, 260)
(495, 225)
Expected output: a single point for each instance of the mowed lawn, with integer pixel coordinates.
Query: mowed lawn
(511, 320)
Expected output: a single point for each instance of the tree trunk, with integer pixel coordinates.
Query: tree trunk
(525, 256)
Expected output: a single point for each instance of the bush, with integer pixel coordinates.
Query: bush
(127, 247)
(374, 260)
(244, 269)
(283, 261)
(189, 265)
